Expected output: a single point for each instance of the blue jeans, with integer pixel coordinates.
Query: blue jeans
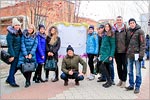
(13, 69)
(142, 63)
(75, 76)
(147, 54)
(138, 80)
(111, 71)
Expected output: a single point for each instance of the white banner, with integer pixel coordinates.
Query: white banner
(74, 35)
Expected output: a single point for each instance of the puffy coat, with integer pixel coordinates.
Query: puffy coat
(13, 42)
(41, 48)
(92, 43)
(53, 48)
(136, 43)
(107, 48)
(28, 46)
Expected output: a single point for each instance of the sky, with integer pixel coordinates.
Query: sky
(97, 10)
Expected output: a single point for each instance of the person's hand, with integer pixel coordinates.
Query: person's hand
(49, 54)
(140, 59)
(80, 74)
(52, 54)
(42, 57)
(11, 59)
(70, 72)
(29, 56)
(26, 56)
(110, 58)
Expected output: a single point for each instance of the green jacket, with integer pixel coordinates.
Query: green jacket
(107, 48)
(69, 63)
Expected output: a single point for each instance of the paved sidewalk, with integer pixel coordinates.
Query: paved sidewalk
(86, 90)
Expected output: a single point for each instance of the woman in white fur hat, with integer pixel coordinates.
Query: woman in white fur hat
(14, 45)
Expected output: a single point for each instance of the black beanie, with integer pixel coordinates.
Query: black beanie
(131, 19)
(69, 48)
(40, 26)
(91, 26)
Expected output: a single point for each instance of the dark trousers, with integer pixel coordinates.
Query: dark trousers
(91, 63)
(106, 70)
(111, 65)
(13, 69)
(56, 72)
(27, 76)
(121, 62)
(75, 76)
(38, 71)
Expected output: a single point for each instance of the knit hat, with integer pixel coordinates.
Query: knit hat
(41, 26)
(101, 26)
(69, 48)
(91, 26)
(15, 22)
(131, 19)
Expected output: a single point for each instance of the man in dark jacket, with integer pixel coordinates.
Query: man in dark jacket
(120, 52)
(135, 54)
(70, 67)
(147, 46)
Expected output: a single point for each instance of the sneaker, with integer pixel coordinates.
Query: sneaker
(120, 83)
(137, 90)
(54, 80)
(129, 88)
(107, 84)
(92, 77)
(123, 85)
(46, 79)
(66, 83)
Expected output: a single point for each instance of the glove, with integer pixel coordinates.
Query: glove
(140, 59)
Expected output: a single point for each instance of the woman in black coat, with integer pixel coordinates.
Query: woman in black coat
(52, 47)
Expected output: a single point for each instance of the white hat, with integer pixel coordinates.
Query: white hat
(15, 22)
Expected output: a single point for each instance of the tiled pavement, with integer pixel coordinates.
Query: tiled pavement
(86, 90)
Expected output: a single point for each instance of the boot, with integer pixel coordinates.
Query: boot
(41, 80)
(109, 83)
(77, 83)
(65, 82)
(27, 84)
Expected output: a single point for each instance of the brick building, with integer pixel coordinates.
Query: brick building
(46, 12)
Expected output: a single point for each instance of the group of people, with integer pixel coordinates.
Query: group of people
(31, 46)
(124, 44)
(109, 42)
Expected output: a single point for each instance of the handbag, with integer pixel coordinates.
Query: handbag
(50, 65)
(5, 56)
(28, 66)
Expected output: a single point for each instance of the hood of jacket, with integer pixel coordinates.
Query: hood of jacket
(11, 30)
(137, 27)
(26, 34)
(42, 35)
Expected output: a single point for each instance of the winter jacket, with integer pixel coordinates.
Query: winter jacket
(41, 48)
(69, 63)
(121, 39)
(13, 41)
(136, 42)
(92, 43)
(28, 46)
(53, 48)
(107, 48)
